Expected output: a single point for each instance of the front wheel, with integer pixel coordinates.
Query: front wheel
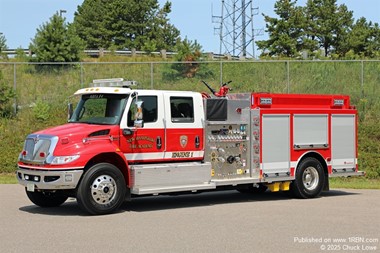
(46, 199)
(102, 189)
(309, 179)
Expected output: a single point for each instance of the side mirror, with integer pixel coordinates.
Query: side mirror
(138, 114)
(70, 110)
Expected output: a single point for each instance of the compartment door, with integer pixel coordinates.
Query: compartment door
(343, 136)
(275, 143)
(310, 131)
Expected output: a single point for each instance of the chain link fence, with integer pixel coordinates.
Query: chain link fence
(54, 83)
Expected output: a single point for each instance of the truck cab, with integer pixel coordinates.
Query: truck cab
(115, 126)
(152, 136)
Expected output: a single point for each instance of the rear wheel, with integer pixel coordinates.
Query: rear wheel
(309, 179)
(102, 189)
(46, 199)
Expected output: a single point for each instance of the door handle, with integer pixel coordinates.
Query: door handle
(197, 142)
(158, 142)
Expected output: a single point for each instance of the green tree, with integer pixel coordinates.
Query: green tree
(188, 56)
(320, 24)
(7, 95)
(285, 32)
(56, 41)
(162, 33)
(125, 24)
(364, 39)
(328, 25)
(188, 52)
(90, 23)
(374, 45)
(3, 46)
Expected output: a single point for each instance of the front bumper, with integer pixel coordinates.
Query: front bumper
(49, 179)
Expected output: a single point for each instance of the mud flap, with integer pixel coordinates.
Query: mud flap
(326, 187)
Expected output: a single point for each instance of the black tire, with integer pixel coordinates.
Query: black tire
(309, 179)
(46, 199)
(102, 189)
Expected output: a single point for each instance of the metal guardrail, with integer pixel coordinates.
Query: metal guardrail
(101, 52)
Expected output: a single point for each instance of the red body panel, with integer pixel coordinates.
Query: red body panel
(76, 139)
(291, 104)
(158, 145)
(174, 139)
(305, 101)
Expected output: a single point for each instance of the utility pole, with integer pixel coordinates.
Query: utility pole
(235, 28)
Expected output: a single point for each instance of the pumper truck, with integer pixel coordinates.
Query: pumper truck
(121, 142)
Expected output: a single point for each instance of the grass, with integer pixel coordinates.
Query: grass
(354, 183)
(8, 178)
(346, 183)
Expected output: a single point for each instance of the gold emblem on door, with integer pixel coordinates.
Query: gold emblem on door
(183, 140)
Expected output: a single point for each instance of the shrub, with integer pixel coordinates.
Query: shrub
(41, 111)
(7, 94)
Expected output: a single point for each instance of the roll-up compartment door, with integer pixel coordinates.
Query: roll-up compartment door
(343, 138)
(310, 131)
(276, 143)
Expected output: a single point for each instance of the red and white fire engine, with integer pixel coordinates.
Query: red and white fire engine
(121, 142)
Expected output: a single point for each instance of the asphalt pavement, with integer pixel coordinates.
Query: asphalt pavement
(342, 220)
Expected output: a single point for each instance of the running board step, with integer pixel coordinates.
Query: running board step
(171, 177)
(169, 189)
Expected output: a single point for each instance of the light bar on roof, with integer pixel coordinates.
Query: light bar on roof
(113, 82)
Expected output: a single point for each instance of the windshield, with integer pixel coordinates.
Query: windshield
(104, 109)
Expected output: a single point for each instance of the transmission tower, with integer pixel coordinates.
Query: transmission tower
(235, 28)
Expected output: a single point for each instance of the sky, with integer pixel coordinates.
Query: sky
(19, 19)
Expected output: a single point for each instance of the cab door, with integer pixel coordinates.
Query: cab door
(146, 144)
(184, 126)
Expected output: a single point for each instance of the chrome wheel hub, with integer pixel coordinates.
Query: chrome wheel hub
(103, 189)
(310, 178)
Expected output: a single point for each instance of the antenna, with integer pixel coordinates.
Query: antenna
(235, 28)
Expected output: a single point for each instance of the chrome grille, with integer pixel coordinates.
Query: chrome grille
(37, 149)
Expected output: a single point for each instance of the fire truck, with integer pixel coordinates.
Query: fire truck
(122, 142)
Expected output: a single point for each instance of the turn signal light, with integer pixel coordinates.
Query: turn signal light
(65, 140)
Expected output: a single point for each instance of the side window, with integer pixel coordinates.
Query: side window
(150, 109)
(182, 109)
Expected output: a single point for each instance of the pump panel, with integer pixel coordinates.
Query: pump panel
(228, 150)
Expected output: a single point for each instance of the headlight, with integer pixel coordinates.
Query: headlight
(64, 159)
